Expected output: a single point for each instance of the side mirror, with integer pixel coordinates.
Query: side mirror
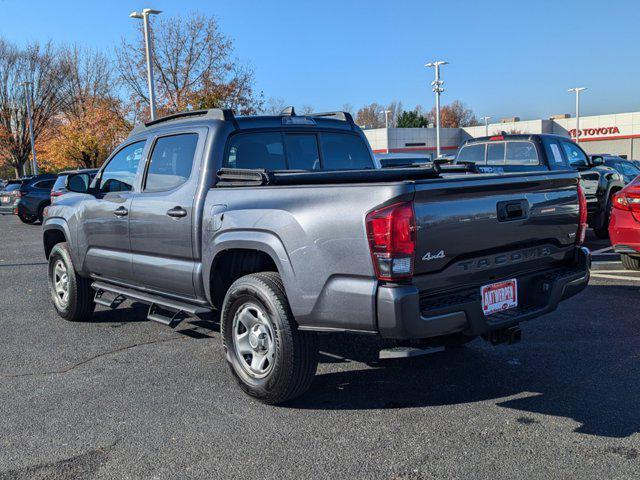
(597, 160)
(78, 182)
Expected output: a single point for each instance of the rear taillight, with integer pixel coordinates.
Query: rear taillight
(392, 239)
(582, 222)
(56, 194)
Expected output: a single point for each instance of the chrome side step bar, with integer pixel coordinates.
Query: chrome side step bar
(406, 352)
(162, 310)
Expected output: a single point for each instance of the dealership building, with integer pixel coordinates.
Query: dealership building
(616, 134)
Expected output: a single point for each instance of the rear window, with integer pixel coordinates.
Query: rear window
(302, 152)
(344, 152)
(521, 153)
(44, 184)
(60, 182)
(11, 187)
(298, 151)
(473, 153)
(495, 153)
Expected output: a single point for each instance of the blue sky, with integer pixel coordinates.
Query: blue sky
(507, 58)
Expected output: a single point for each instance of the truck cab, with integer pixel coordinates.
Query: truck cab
(506, 153)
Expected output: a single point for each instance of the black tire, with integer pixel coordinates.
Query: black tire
(295, 352)
(79, 305)
(603, 231)
(630, 263)
(26, 218)
(41, 212)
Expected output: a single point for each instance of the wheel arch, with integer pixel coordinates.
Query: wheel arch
(239, 253)
(51, 238)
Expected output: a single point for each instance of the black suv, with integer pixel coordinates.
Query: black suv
(33, 196)
(539, 152)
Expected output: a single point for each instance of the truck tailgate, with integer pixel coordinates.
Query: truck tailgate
(476, 229)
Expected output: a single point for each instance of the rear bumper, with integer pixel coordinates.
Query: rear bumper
(403, 314)
(624, 232)
(6, 209)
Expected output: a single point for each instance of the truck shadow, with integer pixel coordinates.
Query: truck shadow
(581, 362)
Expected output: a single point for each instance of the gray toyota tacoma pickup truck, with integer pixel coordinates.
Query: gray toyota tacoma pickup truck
(286, 227)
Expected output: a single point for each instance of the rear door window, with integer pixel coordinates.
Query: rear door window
(473, 153)
(344, 152)
(521, 153)
(553, 149)
(576, 156)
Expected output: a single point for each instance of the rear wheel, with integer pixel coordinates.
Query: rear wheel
(268, 356)
(41, 212)
(26, 218)
(630, 263)
(71, 294)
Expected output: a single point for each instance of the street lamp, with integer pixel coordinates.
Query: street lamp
(486, 125)
(437, 88)
(386, 118)
(144, 16)
(27, 93)
(577, 90)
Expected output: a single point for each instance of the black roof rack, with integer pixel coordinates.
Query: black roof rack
(213, 114)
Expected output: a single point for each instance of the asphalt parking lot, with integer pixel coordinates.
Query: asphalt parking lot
(121, 397)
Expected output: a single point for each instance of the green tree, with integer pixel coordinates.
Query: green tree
(411, 119)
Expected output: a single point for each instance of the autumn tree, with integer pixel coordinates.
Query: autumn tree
(194, 68)
(39, 64)
(274, 105)
(92, 120)
(371, 116)
(455, 115)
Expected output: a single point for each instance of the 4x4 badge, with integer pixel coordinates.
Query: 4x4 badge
(433, 256)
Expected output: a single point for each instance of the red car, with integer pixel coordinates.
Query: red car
(624, 227)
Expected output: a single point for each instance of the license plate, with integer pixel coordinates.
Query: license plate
(500, 296)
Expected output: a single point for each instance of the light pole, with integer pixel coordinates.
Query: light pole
(577, 90)
(144, 15)
(437, 88)
(486, 125)
(386, 118)
(27, 93)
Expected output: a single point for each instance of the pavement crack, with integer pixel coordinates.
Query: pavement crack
(90, 359)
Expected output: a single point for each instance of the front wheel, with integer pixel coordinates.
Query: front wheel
(603, 231)
(268, 356)
(630, 263)
(71, 294)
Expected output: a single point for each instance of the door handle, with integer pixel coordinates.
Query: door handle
(177, 212)
(121, 212)
(513, 210)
